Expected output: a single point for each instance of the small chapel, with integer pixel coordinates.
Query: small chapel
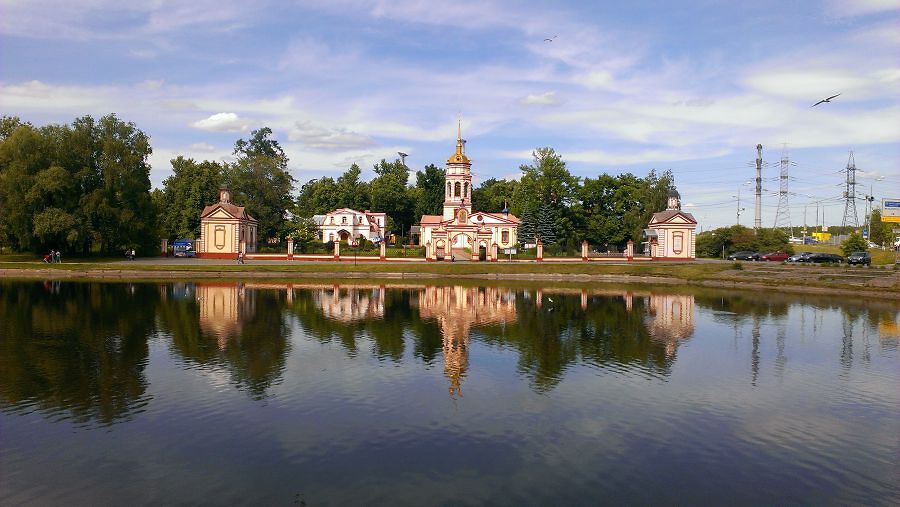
(460, 233)
(672, 234)
(226, 229)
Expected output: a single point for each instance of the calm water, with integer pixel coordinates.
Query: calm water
(225, 393)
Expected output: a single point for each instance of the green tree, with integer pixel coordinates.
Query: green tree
(880, 232)
(352, 193)
(119, 208)
(318, 197)
(260, 181)
(389, 194)
(854, 243)
(429, 191)
(493, 195)
(185, 193)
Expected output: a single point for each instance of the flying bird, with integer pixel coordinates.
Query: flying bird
(824, 100)
(550, 39)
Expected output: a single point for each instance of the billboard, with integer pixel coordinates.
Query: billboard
(890, 210)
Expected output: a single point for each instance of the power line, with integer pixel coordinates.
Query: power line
(783, 215)
(850, 217)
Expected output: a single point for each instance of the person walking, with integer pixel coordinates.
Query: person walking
(58, 257)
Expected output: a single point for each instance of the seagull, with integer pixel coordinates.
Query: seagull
(824, 100)
(550, 39)
(549, 299)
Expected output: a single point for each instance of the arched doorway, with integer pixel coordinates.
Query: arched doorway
(439, 247)
(343, 235)
(482, 250)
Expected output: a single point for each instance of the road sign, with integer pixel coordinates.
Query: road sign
(890, 210)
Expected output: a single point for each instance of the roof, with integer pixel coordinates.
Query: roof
(232, 209)
(665, 216)
(431, 219)
(459, 157)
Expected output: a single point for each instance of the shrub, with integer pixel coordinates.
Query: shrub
(854, 243)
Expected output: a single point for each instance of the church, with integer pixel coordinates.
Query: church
(460, 233)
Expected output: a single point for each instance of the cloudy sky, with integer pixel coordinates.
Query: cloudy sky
(622, 87)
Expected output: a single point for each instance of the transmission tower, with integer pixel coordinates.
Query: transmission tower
(783, 215)
(757, 218)
(850, 195)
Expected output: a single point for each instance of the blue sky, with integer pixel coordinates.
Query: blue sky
(686, 86)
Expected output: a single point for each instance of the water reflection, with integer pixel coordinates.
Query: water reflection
(457, 309)
(83, 348)
(75, 350)
(239, 327)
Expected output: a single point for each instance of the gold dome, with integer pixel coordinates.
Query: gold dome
(459, 157)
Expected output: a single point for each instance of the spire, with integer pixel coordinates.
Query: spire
(460, 156)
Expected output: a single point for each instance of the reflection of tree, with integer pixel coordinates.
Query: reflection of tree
(80, 347)
(229, 325)
(383, 315)
(553, 335)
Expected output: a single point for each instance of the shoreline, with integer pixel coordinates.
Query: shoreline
(878, 283)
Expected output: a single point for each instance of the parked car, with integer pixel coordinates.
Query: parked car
(823, 258)
(859, 258)
(744, 255)
(775, 257)
(810, 241)
(798, 257)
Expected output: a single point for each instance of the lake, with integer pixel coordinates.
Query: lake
(361, 393)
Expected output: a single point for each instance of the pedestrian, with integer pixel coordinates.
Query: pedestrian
(58, 257)
(240, 258)
(133, 253)
(48, 257)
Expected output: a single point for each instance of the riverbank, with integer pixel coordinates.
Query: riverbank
(851, 281)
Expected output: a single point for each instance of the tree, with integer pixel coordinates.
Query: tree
(191, 187)
(854, 243)
(429, 191)
(880, 232)
(259, 179)
(493, 195)
(303, 230)
(389, 194)
(352, 193)
(527, 228)
(318, 197)
(546, 224)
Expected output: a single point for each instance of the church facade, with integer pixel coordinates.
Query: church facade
(672, 234)
(226, 229)
(460, 232)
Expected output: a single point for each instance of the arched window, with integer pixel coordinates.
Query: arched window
(456, 189)
(466, 190)
(449, 191)
(344, 220)
(332, 220)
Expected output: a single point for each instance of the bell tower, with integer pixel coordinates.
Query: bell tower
(458, 182)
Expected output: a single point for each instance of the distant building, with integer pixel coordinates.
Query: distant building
(226, 229)
(345, 224)
(672, 234)
(461, 232)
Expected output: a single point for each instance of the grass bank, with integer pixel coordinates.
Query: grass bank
(874, 282)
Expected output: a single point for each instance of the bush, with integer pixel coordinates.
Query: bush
(854, 243)
(738, 266)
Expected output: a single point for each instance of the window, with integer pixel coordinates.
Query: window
(332, 220)
(456, 189)
(466, 190)
(343, 220)
(219, 237)
(677, 240)
(504, 237)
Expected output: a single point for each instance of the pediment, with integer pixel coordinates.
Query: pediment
(220, 213)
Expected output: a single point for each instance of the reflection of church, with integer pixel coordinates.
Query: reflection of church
(223, 309)
(672, 319)
(456, 310)
(459, 228)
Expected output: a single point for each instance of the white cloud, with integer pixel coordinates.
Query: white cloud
(544, 99)
(223, 122)
(319, 138)
(202, 148)
(153, 84)
(853, 8)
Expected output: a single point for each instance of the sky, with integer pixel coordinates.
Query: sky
(690, 87)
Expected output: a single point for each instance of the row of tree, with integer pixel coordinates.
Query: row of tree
(85, 187)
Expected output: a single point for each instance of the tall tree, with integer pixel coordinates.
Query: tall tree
(190, 188)
(260, 181)
(389, 194)
(352, 192)
(429, 191)
(493, 194)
